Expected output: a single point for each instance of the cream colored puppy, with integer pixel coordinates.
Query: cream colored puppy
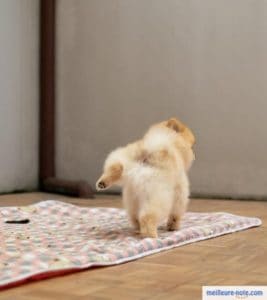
(153, 176)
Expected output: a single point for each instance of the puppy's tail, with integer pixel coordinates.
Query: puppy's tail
(112, 174)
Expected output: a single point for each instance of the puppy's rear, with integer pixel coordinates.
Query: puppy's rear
(153, 149)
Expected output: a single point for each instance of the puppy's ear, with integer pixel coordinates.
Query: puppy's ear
(181, 128)
(174, 124)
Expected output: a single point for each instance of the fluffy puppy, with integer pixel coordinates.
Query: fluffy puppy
(153, 175)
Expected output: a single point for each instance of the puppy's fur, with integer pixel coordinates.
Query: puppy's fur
(153, 174)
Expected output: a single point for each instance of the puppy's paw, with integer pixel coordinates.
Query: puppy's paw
(172, 227)
(101, 185)
(173, 223)
(148, 226)
(149, 234)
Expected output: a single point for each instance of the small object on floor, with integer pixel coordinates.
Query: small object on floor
(63, 238)
(23, 221)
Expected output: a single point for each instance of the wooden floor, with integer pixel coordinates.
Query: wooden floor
(234, 259)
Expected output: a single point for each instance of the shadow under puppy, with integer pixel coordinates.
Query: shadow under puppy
(153, 175)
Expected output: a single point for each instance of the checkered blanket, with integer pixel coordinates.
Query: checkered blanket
(51, 238)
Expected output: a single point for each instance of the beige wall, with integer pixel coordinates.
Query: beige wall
(124, 64)
(18, 94)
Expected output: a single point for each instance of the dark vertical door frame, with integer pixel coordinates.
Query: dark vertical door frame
(47, 89)
(47, 171)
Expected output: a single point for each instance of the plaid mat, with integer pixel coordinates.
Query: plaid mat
(54, 238)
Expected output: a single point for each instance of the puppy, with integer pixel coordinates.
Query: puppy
(153, 175)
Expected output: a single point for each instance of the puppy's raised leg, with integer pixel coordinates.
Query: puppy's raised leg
(111, 175)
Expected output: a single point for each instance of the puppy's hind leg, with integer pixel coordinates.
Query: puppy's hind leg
(111, 175)
(148, 225)
(178, 209)
(131, 205)
(174, 221)
(134, 221)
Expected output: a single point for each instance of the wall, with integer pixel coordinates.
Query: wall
(18, 94)
(124, 64)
